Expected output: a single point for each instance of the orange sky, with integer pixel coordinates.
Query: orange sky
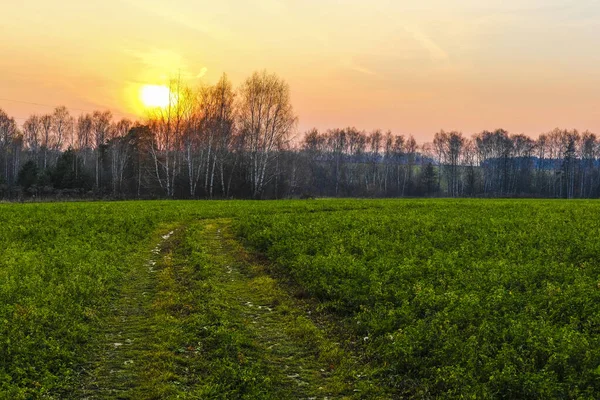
(409, 66)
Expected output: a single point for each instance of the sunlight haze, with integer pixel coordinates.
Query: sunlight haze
(409, 66)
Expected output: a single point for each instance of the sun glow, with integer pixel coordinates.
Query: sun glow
(155, 96)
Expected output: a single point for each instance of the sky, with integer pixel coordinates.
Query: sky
(413, 67)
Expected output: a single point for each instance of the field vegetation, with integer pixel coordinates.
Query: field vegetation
(358, 299)
(478, 299)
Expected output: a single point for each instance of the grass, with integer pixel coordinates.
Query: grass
(203, 319)
(61, 270)
(300, 299)
(465, 298)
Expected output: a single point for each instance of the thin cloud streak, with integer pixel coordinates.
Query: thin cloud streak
(435, 51)
(352, 66)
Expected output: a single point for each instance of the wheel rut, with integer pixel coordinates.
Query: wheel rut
(201, 318)
(128, 337)
(267, 314)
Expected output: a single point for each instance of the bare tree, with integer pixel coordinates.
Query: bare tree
(222, 121)
(588, 153)
(388, 156)
(168, 126)
(375, 142)
(411, 153)
(569, 141)
(62, 124)
(355, 142)
(62, 130)
(470, 163)
(46, 142)
(84, 133)
(398, 156)
(522, 152)
(449, 146)
(314, 146)
(494, 151)
(100, 127)
(337, 143)
(266, 118)
(120, 147)
(8, 135)
(541, 180)
(209, 136)
(193, 142)
(32, 130)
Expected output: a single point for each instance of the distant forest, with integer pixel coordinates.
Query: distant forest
(217, 142)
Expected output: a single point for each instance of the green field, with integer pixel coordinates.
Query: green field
(300, 299)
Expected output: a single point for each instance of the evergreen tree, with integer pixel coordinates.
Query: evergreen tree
(429, 180)
(28, 175)
(67, 173)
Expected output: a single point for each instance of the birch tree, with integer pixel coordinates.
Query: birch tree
(8, 135)
(266, 118)
(84, 133)
(168, 125)
(119, 152)
(219, 122)
(62, 128)
(100, 126)
(32, 130)
(46, 138)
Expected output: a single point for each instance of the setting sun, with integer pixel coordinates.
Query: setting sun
(155, 95)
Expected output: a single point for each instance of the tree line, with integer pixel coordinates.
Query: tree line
(219, 142)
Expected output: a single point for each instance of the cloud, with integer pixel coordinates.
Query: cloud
(202, 72)
(435, 51)
(362, 70)
(191, 15)
(161, 65)
(351, 65)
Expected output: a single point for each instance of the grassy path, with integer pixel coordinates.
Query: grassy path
(201, 319)
(129, 334)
